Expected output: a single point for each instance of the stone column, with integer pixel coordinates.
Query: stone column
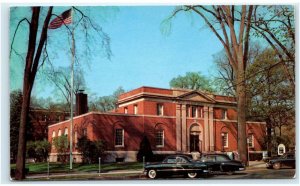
(206, 129)
(178, 127)
(211, 129)
(183, 128)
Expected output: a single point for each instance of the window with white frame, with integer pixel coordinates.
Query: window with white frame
(66, 131)
(160, 109)
(53, 134)
(159, 138)
(76, 139)
(119, 137)
(250, 141)
(59, 132)
(125, 110)
(135, 109)
(224, 139)
(224, 114)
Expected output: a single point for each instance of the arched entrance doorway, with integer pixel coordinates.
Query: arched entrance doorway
(195, 138)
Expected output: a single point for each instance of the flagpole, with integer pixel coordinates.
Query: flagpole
(72, 87)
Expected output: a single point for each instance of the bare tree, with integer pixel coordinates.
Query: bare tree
(234, 35)
(37, 55)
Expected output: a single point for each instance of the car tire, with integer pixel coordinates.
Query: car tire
(230, 172)
(152, 174)
(192, 175)
(276, 166)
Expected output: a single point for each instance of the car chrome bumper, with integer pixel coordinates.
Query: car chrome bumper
(242, 169)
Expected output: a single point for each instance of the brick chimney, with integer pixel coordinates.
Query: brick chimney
(81, 103)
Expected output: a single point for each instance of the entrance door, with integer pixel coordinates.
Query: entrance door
(194, 142)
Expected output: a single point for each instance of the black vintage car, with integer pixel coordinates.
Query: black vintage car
(221, 163)
(176, 165)
(287, 160)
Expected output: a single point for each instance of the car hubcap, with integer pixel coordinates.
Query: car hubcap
(152, 174)
(192, 175)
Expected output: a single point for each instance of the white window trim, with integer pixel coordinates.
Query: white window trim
(226, 143)
(66, 132)
(252, 144)
(122, 138)
(135, 109)
(59, 132)
(162, 109)
(125, 110)
(163, 139)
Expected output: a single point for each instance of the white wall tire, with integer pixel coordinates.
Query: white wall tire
(276, 166)
(192, 175)
(152, 174)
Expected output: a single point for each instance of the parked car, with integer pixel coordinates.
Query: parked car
(287, 160)
(176, 165)
(221, 163)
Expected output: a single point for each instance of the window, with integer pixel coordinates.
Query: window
(45, 118)
(160, 109)
(85, 132)
(250, 141)
(135, 109)
(53, 134)
(119, 137)
(66, 131)
(187, 111)
(76, 139)
(59, 132)
(222, 158)
(201, 112)
(181, 160)
(224, 139)
(224, 114)
(126, 110)
(194, 112)
(159, 138)
(171, 160)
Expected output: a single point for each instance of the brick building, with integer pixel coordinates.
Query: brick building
(174, 120)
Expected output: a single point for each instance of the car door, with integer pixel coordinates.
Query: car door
(183, 165)
(223, 163)
(169, 165)
(210, 161)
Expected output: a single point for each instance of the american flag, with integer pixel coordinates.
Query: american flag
(64, 18)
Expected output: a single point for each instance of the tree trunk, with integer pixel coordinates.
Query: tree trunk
(32, 61)
(241, 106)
(20, 164)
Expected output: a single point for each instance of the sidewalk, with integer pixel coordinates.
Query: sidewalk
(257, 164)
(55, 175)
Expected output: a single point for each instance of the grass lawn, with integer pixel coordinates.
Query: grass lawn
(77, 167)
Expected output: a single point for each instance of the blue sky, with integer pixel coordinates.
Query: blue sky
(142, 54)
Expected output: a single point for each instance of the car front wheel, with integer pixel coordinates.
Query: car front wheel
(152, 174)
(276, 166)
(192, 174)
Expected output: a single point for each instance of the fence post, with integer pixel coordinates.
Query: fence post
(144, 162)
(99, 166)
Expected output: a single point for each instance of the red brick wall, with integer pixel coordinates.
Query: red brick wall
(102, 126)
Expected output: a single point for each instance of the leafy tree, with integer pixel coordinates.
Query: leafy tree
(105, 103)
(192, 80)
(271, 97)
(61, 145)
(91, 150)
(42, 149)
(38, 150)
(145, 150)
